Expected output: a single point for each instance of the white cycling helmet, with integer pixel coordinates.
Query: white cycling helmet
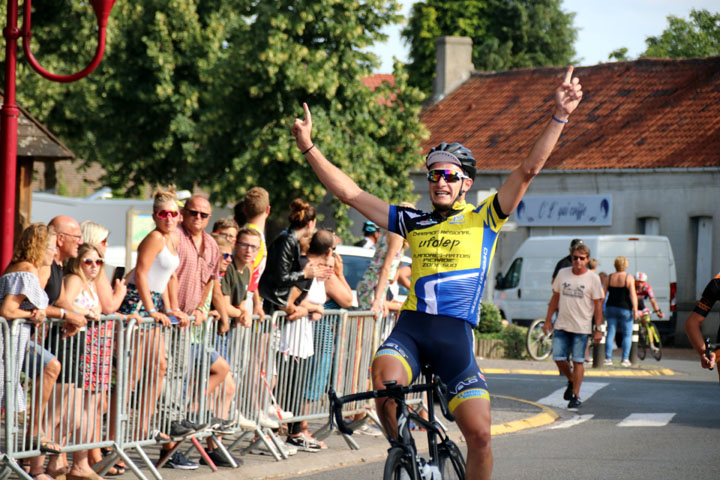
(641, 276)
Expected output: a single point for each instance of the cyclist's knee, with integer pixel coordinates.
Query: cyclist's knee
(473, 418)
(386, 368)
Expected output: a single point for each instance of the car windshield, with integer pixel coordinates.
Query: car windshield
(354, 267)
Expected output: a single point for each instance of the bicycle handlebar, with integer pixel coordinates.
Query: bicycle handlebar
(397, 392)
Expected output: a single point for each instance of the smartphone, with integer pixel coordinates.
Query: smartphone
(173, 320)
(118, 274)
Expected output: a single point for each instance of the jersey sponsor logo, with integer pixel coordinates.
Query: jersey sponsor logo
(439, 242)
(464, 383)
(426, 223)
(457, 220)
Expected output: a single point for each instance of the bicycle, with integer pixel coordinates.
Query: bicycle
(539, 345)
(445, 461)
(649, 338)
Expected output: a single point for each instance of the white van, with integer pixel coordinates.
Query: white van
(523, 292)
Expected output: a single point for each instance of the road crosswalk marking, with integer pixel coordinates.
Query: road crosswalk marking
(576, 420)
(646, 420)
(587, 390)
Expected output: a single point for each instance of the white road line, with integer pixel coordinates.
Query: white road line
(646, 420)
(587, 390)
(576, 420)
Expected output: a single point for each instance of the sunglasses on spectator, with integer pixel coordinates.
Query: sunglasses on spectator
(167, 213)
(247, 246)
(227, 256)
(450, 176)
(98, 261)
(195, 213)
(575, 257)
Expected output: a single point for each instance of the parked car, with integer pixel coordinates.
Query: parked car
(523, 292)
(356, 261)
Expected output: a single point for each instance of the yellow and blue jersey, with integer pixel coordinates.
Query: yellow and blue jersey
(450, 256)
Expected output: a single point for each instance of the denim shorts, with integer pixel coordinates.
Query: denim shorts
(565, 343)
(37, 358)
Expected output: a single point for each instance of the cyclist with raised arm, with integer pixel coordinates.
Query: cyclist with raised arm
(452, 247)
(693, 325)
(645, 292)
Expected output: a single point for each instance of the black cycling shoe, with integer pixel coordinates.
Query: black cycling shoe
(568, 395)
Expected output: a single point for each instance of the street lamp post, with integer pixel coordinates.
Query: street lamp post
(9, 113)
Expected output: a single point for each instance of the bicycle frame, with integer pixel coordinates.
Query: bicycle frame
(404, 439)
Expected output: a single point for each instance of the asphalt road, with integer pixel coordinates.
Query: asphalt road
(657, 427)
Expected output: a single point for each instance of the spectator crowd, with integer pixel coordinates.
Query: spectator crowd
(183, 277)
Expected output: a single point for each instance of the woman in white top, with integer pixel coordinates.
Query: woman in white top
(152, 292)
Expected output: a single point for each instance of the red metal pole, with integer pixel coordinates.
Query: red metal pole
(9, 124)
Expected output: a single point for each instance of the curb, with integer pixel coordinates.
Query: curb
(545, 417)
(588, 373)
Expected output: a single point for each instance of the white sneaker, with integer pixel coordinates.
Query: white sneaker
(245, 423)
(277, 413)
(262, 449)
(626, 363)
(267, 422)
(607, 362)
(370, 430)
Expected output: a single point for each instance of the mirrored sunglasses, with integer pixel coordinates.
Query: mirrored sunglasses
(167, 213)
(227, 256)
(450, 176)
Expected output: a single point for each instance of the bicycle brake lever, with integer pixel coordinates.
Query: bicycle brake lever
(441, 390)
(707, 349)
(336, 413)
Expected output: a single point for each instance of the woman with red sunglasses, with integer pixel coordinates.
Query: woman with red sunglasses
(152, 292)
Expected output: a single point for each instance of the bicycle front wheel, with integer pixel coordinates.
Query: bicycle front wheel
(654, 341)
(539, 345)
(399, 466)
(451, 461)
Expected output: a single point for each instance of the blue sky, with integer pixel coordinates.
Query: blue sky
(604, 26)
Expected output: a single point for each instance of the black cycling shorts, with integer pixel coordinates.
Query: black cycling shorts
(444, 343)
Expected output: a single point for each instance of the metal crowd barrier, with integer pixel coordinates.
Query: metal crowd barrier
(161, 375)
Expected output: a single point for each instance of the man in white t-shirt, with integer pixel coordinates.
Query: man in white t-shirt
(578, 297)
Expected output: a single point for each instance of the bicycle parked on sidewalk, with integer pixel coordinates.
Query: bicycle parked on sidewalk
(649, 339)
(445, 460)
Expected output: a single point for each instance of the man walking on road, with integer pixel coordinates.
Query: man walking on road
(452, 248)
(578, 298)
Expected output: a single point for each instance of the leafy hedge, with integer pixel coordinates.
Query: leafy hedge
(490, 325)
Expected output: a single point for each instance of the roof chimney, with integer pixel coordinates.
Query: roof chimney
(454, 64)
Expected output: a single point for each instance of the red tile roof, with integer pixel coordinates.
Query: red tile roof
(647, 113)
(373, 82)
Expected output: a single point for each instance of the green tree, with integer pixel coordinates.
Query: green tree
(697, 37)
(203, 93)
(506, 34)
(619, 55)
(309, 51)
